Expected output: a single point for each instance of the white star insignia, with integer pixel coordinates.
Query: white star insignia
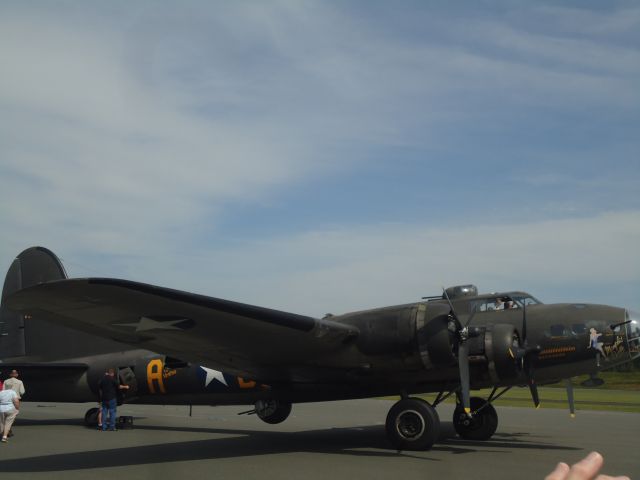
(146, 323)
(213, 375)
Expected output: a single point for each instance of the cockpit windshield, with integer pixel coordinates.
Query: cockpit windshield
(525, 300)
(505, 302)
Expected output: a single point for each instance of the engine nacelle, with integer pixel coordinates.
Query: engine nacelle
(500, 341)
(438, 340)
(427, 335)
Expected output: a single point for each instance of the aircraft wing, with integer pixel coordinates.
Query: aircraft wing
(243, 339)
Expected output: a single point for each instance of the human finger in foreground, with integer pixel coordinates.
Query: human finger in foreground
(585, 469)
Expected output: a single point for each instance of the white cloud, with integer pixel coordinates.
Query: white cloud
(91, 154)
(347, 269)
(125, 134)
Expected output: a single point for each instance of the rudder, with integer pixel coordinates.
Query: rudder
(33, 266)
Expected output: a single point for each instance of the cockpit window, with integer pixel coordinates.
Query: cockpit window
(498, 303)
(525, 300)
(505, 302)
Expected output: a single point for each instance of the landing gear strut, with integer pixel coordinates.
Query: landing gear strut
(412, 424)
(481, 425)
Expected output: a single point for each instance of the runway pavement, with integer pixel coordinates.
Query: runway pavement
(336, 440)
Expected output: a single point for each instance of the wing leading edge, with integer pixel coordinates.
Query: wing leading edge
(244, 339)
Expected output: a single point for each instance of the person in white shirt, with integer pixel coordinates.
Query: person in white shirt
(9, 408)
(15, 384)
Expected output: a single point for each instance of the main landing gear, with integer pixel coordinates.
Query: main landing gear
(91, 417)
(413, 423)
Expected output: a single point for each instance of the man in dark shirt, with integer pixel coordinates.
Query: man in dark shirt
(108, 393)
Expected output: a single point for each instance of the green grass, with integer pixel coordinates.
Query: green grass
(620, 392)
(550, 397)
(612, 381)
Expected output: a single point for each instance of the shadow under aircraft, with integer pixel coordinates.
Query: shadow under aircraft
(175, 347)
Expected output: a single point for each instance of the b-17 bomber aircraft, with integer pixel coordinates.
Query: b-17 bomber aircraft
(174, 347)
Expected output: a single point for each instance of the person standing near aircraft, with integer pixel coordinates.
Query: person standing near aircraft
(9, 408)
(108, 393)
(15, 384)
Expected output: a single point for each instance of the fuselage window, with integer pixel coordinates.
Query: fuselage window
(557, 331)
(578, 328)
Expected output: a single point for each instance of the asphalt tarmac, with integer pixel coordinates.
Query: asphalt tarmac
(336, 440)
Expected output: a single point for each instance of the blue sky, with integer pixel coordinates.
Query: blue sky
(326, 156)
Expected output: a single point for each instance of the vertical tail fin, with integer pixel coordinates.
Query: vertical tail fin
(34, 265)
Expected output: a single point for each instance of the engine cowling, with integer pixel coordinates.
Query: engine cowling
(437, 337)
(396, 334)
(499, 341)
(493, 345)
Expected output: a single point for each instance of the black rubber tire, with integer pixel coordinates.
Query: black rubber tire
(481, 426)
(279, 415)
(91, 417)
(412, 424)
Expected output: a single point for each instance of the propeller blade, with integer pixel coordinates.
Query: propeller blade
(533, 388)
(463, 363)
(446, 295)
(524, 322)
(473, 313)
(463, 355)
(572, 405)
(528, 370)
